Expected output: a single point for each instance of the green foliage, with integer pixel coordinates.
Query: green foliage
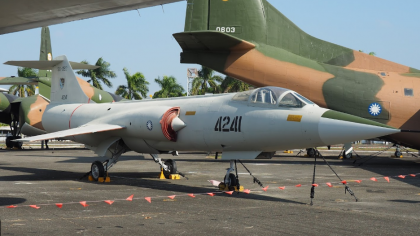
(372, 53)
(169, 88)
(136, 88)
(231, 84)
(101, 74)
(206, 82)
(21, 90)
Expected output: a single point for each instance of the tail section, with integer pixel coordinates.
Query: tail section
(258, 22)
(65, 87)
(45, 53)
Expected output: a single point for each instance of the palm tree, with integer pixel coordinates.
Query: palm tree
(206, 82)
(22, 89)
(101, 74)
(231, 84)
(169, 88)
(135, 84)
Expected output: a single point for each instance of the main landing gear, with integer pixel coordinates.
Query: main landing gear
(99, 170)
(168, 167)
(398, 153)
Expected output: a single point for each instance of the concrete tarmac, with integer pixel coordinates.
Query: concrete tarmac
(46, 177)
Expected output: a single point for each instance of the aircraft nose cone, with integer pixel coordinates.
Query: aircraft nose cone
(336, 127)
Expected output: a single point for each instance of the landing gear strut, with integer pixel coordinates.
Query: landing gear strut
(398, 153)
(231, 181)
(100, 169)
(168, 167)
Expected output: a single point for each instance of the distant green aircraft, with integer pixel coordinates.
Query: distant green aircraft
(252, 41)
(24, 114)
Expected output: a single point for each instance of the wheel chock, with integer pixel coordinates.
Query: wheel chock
(341, 157)
(90, 178)
(305, 155)
(288, 151)
(162, 176)
(101, 179)
(241, 189)
(107, 179)
(222, 187)
(174, 176)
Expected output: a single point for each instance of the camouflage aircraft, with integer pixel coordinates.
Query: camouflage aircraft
(241, 125)
(24, 114)
(252, 41)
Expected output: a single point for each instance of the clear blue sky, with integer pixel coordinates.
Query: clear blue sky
(145, 43)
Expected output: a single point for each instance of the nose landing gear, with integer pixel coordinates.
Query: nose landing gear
(231, 181)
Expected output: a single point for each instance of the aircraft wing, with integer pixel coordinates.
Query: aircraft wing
(18, 80)
(86, 129)
(21, 15)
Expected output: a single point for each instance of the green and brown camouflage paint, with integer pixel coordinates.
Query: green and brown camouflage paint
(333, 76)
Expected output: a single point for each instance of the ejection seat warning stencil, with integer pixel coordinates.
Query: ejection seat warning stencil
(295, 118)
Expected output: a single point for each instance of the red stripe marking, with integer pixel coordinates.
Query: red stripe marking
(72, 114)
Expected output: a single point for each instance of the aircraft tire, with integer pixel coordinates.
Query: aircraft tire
(17, 144)
(348, 155)
(9, 143)
(310, 152)
(398, 153)
(232, 182)
(97, 170)
(172, 168)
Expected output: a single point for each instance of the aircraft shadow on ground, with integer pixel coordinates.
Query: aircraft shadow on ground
(7, 201)
(139, 179)
(405, 201)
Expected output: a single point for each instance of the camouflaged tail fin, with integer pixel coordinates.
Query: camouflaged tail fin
(45, 51)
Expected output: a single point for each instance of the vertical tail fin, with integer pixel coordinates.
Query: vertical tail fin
(45, 51)
(242, 19)
(258, 22)
(64, 85)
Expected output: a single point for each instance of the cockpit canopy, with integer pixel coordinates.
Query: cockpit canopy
(273, 96)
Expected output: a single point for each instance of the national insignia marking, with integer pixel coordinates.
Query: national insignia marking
(375, 109)
(62, 81)
(149, 125)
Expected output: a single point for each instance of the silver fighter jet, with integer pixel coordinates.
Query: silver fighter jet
(240, 125)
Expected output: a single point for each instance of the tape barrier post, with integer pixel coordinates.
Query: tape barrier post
(346, 189)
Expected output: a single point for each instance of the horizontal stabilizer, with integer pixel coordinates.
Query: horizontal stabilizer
(18, 80)
(211, 40)
(86, 129)
(49, 65)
